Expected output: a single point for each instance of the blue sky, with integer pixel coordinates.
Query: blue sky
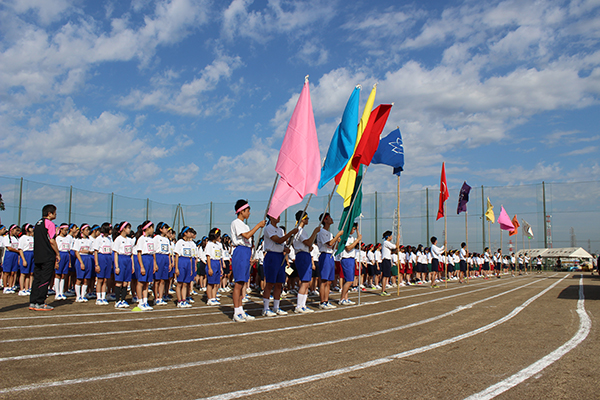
(187, 101)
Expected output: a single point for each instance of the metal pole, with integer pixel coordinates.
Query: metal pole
(483, 215)
(445, 244)
(112, 199)
(376, 233)
(467, 255)
(20, 202)
(285, 220)
(175, 216)
(398, 235)
(427, 212)
(359, 257)
(70, 202)
(210, 223)
(266, 209)
(147, 208)
(544, 204)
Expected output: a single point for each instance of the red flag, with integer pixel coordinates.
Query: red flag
(444, 194)
(515, 222)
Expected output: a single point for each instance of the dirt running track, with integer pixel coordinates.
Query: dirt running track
(427, 344)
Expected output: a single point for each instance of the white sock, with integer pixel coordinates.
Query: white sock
(238, 310)
(56, 285)
(276, 304)
(103, 295)
(265, 304)
(61, 286)
(145, 301)
(83, 290)
(302, 300)
(78, 291)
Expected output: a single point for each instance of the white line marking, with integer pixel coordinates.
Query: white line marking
(270, 352)
(585, 325)
(234, 335)
(384, 360)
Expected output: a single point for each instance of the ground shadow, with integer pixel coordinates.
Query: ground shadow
(591, 292)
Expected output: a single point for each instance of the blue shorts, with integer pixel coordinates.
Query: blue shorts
(326, 267)
(148, 261)
(64, 263)
(11, 262)
(73, 259)
(240, 263)
(162, 260)
(215, 279)
(304, 266)
(186, 267)
(274, 267)
(105, 261)
(86, 273)
(125, 272)
(29, 258)
(348, 266)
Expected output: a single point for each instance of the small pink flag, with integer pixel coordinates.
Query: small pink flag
(504, 221)
(299, 162)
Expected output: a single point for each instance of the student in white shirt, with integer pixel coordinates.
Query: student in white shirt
(26, 267)
(214, 265)
(83, 266)
(185, 265)
(63, 242)
(386, 263)
(436, 254)
(103, 260)
(304, 261)
(326, 242)
(348, 264)
(462, 260)
(162, 247)
(145, 267)
(274, 265)
(10, 265)
(123, 261)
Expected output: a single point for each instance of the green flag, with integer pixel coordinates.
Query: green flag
(356, 205)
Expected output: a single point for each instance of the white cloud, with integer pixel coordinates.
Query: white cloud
(47, 11)
(585, 150)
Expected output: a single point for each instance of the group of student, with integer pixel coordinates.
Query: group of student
(108, 262)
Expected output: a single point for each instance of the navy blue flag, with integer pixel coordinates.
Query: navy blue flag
(391, 152)
(463, 198)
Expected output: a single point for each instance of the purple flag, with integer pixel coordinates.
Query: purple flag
(463, 198)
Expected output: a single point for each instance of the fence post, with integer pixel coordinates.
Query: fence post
(545, 220)
(427, 213)
(483, 218)
(70, 202)
(210, 218)
(376, 235)
(112, 199)
(147, 209)
(285, 220)
(175, 215)
(20, 202)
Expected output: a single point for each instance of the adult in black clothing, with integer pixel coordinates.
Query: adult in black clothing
(46, 258)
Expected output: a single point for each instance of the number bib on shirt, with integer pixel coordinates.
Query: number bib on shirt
(105, 249)
(84, 249)
(164, 248)
(187, 252)
(127, 249)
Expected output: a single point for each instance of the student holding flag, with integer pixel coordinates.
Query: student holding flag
(326, 242)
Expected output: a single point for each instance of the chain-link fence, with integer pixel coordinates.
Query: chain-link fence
(561, 214)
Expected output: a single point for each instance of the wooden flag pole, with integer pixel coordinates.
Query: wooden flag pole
(467, 255)
(354, 199)
(398, 235)
(445, 243)
(359, 257)
(267, 209)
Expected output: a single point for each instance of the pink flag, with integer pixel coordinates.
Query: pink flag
(504, 221)
(299, 163)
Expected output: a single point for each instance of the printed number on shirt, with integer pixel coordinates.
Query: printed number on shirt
(128, 249)
(187, 252)
(150, 246)
(164, 248)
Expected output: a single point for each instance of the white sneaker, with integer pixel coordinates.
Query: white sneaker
(268, 313)
(99, 302)
(350, 302)
(239, 318)
(279, 311)
(245, 300)
(330, 306)
(248, 317)
(79, 300)
(323, 306)
(248, 290)
(303, 310)
(212, 302)
(22, 293)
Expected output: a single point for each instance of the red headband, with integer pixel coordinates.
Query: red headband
(147, 226)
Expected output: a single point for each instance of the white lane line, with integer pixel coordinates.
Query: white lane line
(211, 313)
(270, 352)
(380, 361)
(585, 325)
(155, 344)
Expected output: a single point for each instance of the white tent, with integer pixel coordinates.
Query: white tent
(564, 252)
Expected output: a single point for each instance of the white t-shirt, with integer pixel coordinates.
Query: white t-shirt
(315, 253)
(145, 244)
(378, 255)
(237, 228)
(103, 245)
(201, 254)
(270, 245)
(463, 254)
(386, 251)
(323, 237)
(299, 239)
(26, 243)
(214, 250)
(122, 245)
(162, 245)
(185, 248)
(370, 257)
(437, 251)
(64, 243)
(351, 253)
(83, 245)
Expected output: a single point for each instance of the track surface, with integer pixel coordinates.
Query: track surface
(429, 344)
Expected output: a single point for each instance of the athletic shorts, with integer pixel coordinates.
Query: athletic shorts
(162, 260)
(73, 260)
(148, 261)
(240, 263)
(201, 268)
(371, 269)
(226, 267)
(187, 268)
(105, 261)
(274, 266)
(326, 267)
(348, 265)
(29, 258)
(125, 272)
(394, 270)
(315, 271)
(386, 268)
(86, 273)
(215, 279)
(63, 264)
(304, 266)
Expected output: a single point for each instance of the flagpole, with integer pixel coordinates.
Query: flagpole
(267, 209)
(398, 235)
(359, 257)
(467, 232)
(445, 244)
(354, 199)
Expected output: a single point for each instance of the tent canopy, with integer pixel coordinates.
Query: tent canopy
(565, 252)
